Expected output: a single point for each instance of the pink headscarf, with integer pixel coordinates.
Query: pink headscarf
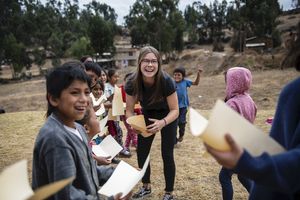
(238, 82)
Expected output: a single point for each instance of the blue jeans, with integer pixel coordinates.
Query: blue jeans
(225, 180)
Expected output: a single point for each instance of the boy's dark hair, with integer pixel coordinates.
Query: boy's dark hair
(60, 78)
(180, 70)
(94, 67)
(100, 83)
(111, 72)
(83, 58)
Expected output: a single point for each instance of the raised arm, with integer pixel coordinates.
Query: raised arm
(200, 70)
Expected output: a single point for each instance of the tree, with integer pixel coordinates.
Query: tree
(237, 22)
(101, 35)
(15, 54)
(158, 23)
(10, 18)
(191, 16)
(178, 23)
(296, 3)
(103, 10)
(80, 47)
(261, 16)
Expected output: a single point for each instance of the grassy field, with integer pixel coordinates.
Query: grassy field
(196, 175)
(196, 171)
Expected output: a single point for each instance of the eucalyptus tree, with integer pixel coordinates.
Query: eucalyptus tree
(191, 16)
(158, 23)
(296, 3)
(261, 15)
(101, 26)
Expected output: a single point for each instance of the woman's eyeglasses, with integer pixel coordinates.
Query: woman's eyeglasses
(146, 61)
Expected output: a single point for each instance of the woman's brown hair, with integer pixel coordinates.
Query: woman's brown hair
(157, 94)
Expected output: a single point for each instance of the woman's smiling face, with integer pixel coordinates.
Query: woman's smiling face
(149, 65)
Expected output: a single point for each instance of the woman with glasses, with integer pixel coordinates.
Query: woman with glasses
(156, 92)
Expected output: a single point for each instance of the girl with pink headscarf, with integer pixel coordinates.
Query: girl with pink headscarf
(238, 81)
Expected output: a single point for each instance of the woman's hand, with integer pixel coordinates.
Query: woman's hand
(102, 160)
(156, 126)
(228, 159)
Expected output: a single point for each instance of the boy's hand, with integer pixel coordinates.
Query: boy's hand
(118, 196)
(200, 68)
(228, 159)
(102, 160)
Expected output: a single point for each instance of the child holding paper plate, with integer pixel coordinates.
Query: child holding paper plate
(61, 147)
(98, 99)
(131, 137)
(114, 126)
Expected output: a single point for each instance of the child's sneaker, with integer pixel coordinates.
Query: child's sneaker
(143, 192)
(125, 153)
(168, 197)
(115, 160)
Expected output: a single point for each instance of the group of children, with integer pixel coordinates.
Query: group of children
(62, 146)
(61, 149)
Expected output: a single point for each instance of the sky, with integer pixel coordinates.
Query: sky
(122, 6)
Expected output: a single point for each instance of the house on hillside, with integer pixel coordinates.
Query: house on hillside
(125, 55)
(259, 44)
(6, 71)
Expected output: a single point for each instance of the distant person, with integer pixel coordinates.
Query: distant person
(61, 147)
(103, 77)
(86, 58)
(182, 93)
(114, 126)
(275, 177)
(94, 117)
(131, 137)
(238, 82)
(156, 92)
(96, 94)
(2, 111)
(93, 70)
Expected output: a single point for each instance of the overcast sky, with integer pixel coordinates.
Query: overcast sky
(122, 6)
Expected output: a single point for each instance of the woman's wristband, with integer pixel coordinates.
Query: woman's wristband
(165, 121)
